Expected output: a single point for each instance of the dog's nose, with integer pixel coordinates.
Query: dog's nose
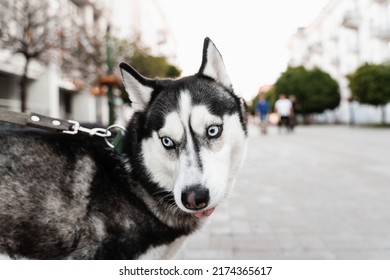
(195, 197)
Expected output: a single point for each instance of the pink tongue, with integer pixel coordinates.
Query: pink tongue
(206, 213)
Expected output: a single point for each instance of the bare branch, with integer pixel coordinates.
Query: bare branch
(32, 28)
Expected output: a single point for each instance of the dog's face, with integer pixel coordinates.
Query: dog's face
(194, 132)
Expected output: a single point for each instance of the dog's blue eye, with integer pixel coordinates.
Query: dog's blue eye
(214, 131)
(167, 142)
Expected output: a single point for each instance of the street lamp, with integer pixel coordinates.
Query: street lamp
(110, 68)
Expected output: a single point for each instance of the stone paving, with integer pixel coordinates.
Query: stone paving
(322, 192)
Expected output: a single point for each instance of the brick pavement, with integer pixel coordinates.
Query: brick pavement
(320, 193)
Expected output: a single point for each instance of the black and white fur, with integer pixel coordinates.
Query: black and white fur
(70, 197)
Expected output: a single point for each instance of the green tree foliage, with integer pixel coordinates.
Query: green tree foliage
(271, 96)
(369, 84)
(152, 66)
(252, 105)
(139, 57)
(315, 90)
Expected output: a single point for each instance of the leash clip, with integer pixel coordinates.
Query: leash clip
(65, 126)
(72, 129)
(76, 127)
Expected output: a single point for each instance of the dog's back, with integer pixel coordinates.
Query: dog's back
(40, 210)
(45, 187)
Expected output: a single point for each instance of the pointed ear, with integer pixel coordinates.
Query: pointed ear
(212, 64)
(137, 87)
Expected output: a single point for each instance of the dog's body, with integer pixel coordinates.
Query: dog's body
(69, 197)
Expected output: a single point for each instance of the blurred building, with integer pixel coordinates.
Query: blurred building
(51, 90)
(345, 35)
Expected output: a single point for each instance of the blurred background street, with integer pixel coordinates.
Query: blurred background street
(320, 193)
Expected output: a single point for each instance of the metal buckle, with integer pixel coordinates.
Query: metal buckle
(101, 132)
(74, 129)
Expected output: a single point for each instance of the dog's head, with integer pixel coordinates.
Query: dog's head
(193, 132)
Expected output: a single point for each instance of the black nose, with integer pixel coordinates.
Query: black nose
(195, 197)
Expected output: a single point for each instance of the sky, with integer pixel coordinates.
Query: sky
(252, 35)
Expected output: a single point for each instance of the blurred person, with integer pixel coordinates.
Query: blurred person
(283, 107)
(262, 107)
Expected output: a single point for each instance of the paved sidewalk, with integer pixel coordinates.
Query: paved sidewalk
(320, 193)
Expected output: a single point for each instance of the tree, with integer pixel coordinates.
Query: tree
(315, 90)
(26, 29)
(82, 54)
(32, 29)
(152, 66)
(140, 57)
(369, 84)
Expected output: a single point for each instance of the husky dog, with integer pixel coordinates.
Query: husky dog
(70, 197)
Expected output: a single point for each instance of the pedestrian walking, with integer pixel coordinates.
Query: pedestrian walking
(262, 107)
(283, 107)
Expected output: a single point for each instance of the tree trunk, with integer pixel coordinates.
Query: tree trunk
(23, 87)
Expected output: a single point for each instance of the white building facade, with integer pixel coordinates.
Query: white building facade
(50, 90)
(53, 91)
(344, 36)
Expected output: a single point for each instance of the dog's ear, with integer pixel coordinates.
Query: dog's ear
(212, 64)
(137, 87)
